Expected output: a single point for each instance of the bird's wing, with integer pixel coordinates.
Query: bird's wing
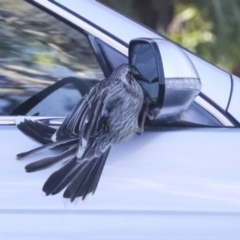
(80, 176)
(86, 116)
(36, 130)
(74, 123)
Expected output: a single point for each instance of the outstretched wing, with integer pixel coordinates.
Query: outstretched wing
(80, 116)
(36, 130)
(86, 116)
(80, 176)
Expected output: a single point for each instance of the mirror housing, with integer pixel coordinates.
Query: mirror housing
(172, 82)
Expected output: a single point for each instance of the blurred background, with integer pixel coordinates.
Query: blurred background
(210, 28)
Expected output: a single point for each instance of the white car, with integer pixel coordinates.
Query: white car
(179, 180)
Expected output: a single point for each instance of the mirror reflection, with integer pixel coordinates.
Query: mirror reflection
(139, 54)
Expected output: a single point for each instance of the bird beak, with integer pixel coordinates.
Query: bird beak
(139, 76)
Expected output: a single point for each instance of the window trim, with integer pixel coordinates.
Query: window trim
(213, 111)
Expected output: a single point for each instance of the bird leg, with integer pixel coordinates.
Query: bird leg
(144, 115)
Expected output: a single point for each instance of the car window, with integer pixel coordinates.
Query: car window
(36, 51)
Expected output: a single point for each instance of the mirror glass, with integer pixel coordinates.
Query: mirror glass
(143, 58)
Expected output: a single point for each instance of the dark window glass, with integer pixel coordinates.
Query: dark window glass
(36, 50)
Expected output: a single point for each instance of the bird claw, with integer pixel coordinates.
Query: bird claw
(139, 131)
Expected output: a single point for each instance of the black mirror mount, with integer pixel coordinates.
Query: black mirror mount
(172, 80)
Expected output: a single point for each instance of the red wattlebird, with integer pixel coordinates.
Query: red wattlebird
(106, 116)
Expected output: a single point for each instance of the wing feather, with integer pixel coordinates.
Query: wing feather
(85, 117)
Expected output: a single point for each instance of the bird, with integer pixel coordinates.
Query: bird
(106, 116)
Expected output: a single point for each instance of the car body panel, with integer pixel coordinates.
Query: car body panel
(216, 84)
(234, 108)
(89, 225)
(161, 170)
(159, 181)
(100, 14)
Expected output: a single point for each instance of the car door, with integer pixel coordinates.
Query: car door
(178, 180)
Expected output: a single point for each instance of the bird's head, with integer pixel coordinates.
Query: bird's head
(127, 73)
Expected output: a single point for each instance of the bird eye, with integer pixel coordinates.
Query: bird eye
(136, 74)
(129, 73)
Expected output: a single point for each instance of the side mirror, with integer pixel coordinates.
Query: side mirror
(172, 80)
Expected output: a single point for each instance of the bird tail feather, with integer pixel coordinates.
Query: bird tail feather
(49, 161)
(36, 130)
(80, 177)
(66, 142)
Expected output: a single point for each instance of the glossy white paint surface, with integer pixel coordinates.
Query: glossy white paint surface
(234, 106)
(107, 19)
(176, 63)
(216, 84)
(175, 182)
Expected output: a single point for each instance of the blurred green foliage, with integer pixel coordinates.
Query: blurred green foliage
(210, 28)
(212, 31)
